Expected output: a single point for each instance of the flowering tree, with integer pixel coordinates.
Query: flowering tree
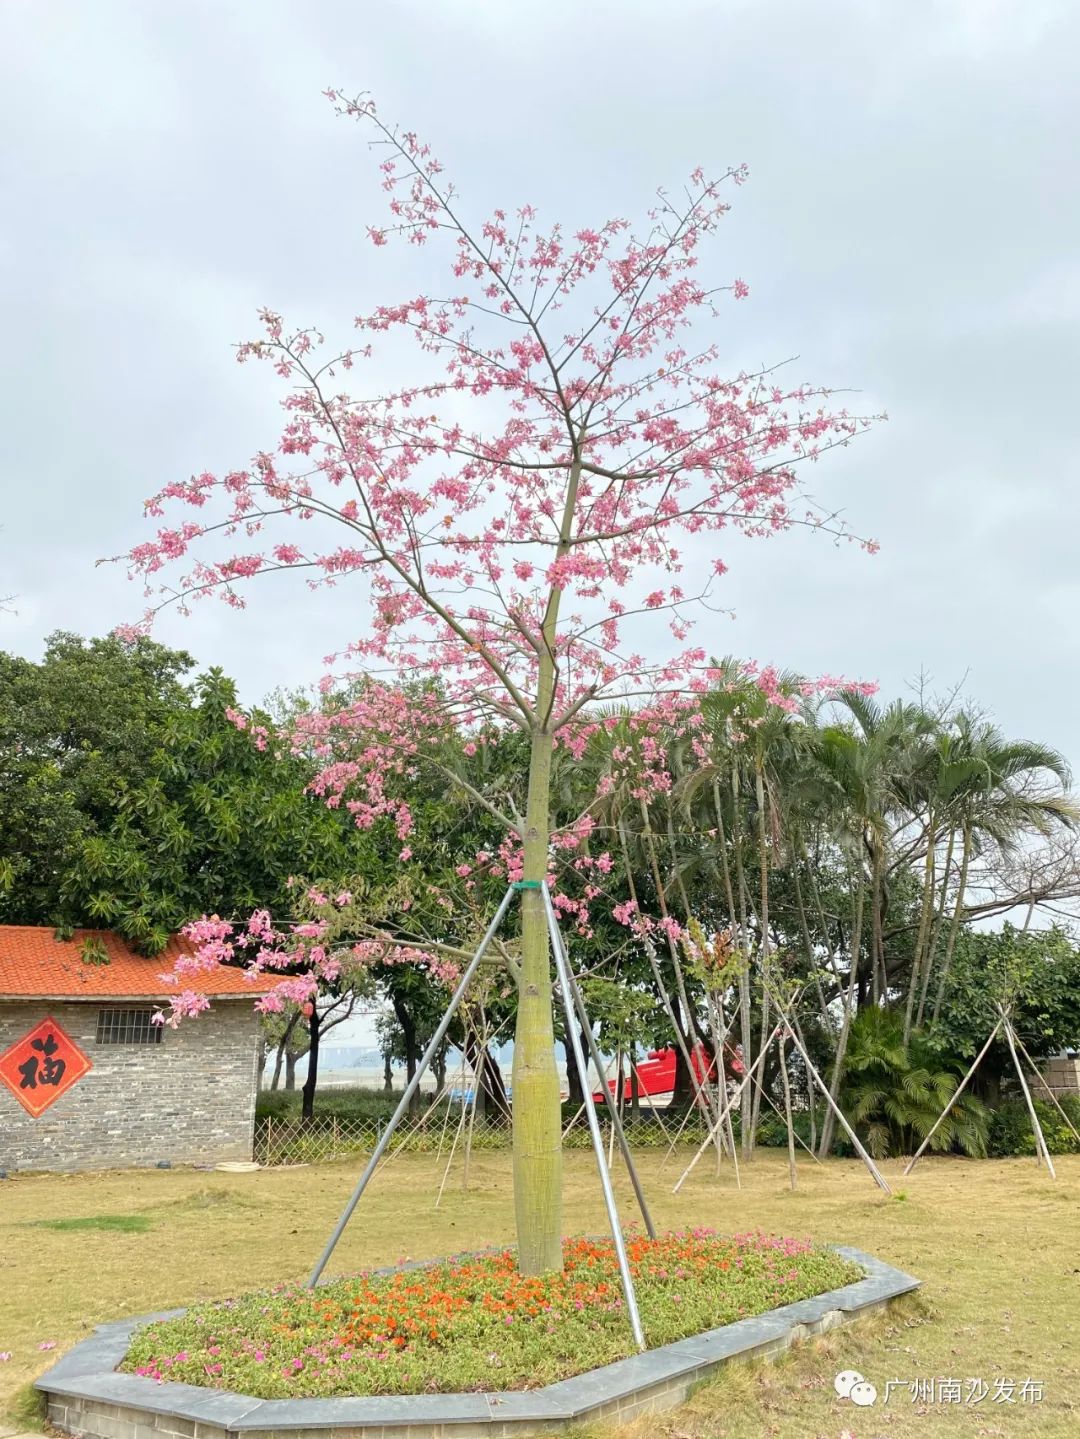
(519, 513)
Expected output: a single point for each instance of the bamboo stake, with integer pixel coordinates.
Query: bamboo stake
(811, 1069)
(573, 1121)
(678, 1135)
(787, 1113)
(1040, 1138)
(879, 1178)
(962, 1086)
(450, 1156)
(1053, 1097)
(709, 1137)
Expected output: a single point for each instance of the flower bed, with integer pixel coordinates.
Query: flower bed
(475, 1323)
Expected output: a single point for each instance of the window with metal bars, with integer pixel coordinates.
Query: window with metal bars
(127, 1026)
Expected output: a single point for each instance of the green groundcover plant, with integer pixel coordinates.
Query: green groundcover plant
(477, 1323)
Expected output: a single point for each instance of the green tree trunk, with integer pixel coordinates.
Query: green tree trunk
(537, 1116)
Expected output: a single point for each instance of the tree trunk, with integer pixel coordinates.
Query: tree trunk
(576, 1082)
(387, 1073)
(487, 1080)
(412, 1049)
(537, 1117)
(828, 1125)
(875, 925)
(763, 916)
(746, 1033)
(788, 1116)
(307, 1106)
(954, 928)
(290, 1069)
(925, 911)
(279, 1060)
(282, 1053)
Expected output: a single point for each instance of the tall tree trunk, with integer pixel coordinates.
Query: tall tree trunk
(954, 928)
(937, 918)
(491, 1100)
(925, 911)
(737, 923)
(407, 1024)
(746, 1034)
(763, 916)
(387, 1073)
(876, 955)
(537, 1127)
(828, 1124)
(290, 1070)
(575, 1080)
(307, 1105)
(804, 930)
(788, 1116)
(282, 1050)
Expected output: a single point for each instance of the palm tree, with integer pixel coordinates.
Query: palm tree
(1004, 791)
(895, 1089)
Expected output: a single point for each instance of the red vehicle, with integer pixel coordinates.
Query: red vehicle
(656, 1074)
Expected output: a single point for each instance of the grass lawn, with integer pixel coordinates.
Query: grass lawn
(997, 1242)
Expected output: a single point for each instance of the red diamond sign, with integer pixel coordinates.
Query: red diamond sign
(42, 1066)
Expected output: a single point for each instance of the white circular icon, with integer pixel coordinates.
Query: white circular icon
(846, 1380)
(863, 1393)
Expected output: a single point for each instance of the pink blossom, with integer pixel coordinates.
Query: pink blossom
(530, 501)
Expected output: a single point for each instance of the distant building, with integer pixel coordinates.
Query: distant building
(88, 1081)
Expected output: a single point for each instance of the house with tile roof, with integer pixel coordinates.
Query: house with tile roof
(90, 1080)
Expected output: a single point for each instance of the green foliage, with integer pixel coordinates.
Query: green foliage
(93, 951)
(77, 731)
(130, 801)
(110, 1223)
(894, 1094)
(333, 1103)
(1038, 974)
(1010, 1130)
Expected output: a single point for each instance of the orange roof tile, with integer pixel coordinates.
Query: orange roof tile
(35, 964)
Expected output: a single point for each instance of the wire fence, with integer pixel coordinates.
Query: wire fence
(281, 1141)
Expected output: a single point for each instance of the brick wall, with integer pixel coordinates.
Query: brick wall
(189, 1099)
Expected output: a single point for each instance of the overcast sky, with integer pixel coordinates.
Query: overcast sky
(911, 229)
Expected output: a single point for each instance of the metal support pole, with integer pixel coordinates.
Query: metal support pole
(561, 970)
(410, 1090)
(598, 1060)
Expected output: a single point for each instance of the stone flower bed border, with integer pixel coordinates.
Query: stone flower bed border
(87, 1397)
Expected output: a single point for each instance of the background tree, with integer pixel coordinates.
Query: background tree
(78, 734)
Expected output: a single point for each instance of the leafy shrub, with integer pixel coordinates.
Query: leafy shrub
(1010, 1130)
(894, 1095)
(329, 1104)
